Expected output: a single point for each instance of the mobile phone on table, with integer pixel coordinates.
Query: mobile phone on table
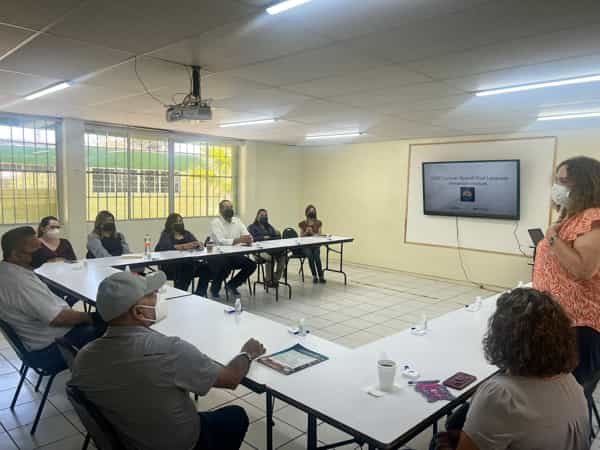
(459, 381)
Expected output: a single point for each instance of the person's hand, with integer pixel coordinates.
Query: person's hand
(254, 348)
(553, 230)
(194, 244)
(246, 239)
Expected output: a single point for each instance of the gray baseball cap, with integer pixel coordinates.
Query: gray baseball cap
(120, 291)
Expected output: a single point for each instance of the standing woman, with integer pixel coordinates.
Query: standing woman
(53, 248)
(568, 259)
(176, 237)
(312, 226)
(105, 240)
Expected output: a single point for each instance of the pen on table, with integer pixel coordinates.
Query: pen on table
(424, 382)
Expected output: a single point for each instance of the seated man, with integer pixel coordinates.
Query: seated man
(141, 379)
(229, 230)
(36, 314)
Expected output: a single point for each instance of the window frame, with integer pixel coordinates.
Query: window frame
(171, 139)
(55, 172)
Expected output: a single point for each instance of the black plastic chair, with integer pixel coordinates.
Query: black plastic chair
(98, 428)
(28, 362)
(290, 233)
(588, 389)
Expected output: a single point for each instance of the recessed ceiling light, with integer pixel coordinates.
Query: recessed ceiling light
(48, 90)
(284, 6)
(570, 116)
(334, 136)
(248, 122)
(547, 84)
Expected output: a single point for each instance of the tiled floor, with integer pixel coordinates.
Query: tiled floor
(375, 303)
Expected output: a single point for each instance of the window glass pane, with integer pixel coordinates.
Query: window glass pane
(27, 169)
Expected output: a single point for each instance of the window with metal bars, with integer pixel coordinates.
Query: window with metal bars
(130, 175)
(28, 184)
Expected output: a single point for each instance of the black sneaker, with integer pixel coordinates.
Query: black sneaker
(322, 280)
(315, 280)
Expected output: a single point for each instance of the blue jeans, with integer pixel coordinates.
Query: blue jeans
(49, 358)
(313, 254)
(222, 429)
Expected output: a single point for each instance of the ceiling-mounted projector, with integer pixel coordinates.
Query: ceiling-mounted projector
(192, 107)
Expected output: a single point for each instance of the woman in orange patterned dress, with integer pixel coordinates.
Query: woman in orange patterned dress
(568, 259)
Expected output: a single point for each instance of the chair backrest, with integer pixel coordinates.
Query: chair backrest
(289, 233)
(68, 351)
(589, 385)
(101, 431)
(14, 340)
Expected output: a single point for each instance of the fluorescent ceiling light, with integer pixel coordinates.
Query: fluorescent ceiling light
(529, 87)
(284, 6)
(248, 122)
(48, 90)
(334, 136)
(570, 116)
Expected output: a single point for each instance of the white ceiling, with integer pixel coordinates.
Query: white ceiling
(390, 68)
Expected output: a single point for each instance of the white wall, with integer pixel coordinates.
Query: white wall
(360, 191)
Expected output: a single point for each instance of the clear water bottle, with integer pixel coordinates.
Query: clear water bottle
(301, 327)
(147, 246)
(238, 306)
(127, 269)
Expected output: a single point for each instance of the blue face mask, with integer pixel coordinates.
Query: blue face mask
(264, 220)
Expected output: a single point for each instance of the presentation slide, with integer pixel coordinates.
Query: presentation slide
(472, 189)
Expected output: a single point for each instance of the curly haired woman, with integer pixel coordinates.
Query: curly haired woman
(534, 402)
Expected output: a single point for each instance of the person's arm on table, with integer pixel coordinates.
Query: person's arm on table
(95, 247)
(583, 259)
(69, 252)
(70, 317)
(233, 373)
(124, 243)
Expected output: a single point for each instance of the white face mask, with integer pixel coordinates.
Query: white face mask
(161, 311)
(560, 194)
(53, 233)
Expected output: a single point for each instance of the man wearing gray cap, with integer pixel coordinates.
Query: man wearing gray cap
(141, 380)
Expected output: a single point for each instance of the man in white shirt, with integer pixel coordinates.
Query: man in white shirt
(37, 315)
(229, 230)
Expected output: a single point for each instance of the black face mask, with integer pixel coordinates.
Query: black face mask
(109, 227)
(179, 228)
(264, 220)
(228, 213)
(312, 215)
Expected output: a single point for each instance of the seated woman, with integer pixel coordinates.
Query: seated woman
(176, 237)
(53, 248)
(312, 226)
(105, 240)
(262, 230)
(534, 402)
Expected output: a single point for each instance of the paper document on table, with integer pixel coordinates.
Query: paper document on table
(292, 360)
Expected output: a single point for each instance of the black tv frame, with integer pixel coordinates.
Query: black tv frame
(477, 216)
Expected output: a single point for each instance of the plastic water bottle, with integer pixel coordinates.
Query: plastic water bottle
(238, 306)
(147, 246)
(301, 328)
(127, 269)
(478, 301)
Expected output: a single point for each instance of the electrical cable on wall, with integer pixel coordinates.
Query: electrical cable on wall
(460, 258)
(518, 241)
